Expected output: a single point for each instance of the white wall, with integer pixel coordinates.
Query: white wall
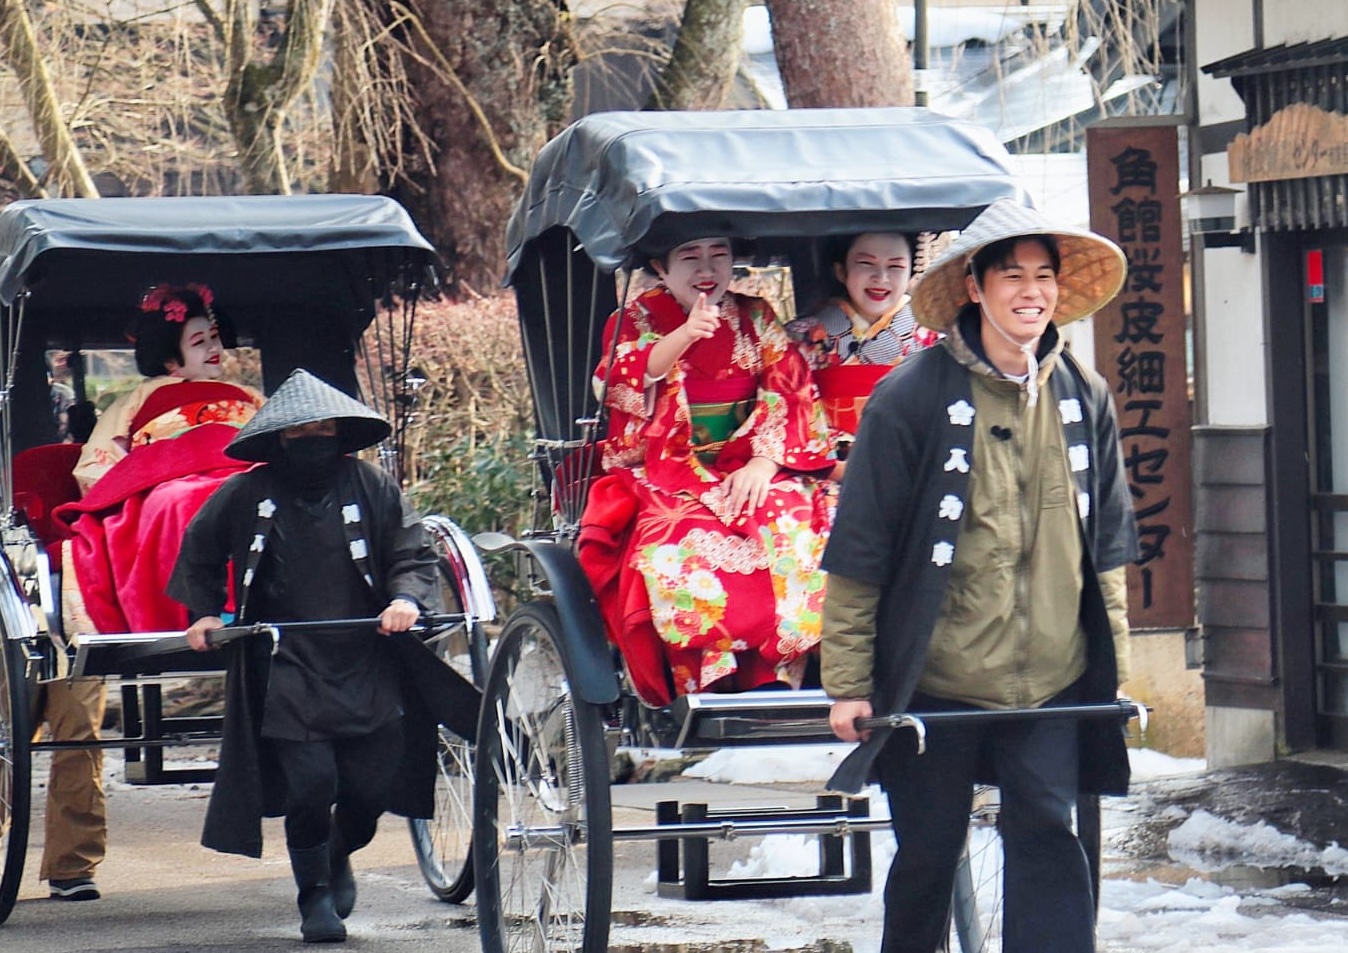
(1234, 381)
(1222, 28)
(1301, 21)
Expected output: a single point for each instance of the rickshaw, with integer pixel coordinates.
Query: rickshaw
(604, 195)
(325, 282)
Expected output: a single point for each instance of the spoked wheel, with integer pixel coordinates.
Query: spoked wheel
(543, 840)
(443, 844)
(977, 904)
(15, 770)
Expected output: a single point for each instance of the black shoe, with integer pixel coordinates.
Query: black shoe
(77, 888)
(342, 877)
(319, 921)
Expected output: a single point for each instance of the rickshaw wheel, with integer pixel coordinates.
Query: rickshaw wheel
(543, 839)
(15, 770)
(443, 843)
(976, 908)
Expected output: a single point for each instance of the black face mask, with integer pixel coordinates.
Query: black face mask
(308, 464)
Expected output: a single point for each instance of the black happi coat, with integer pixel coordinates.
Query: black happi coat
(399, 562)
(888, 525)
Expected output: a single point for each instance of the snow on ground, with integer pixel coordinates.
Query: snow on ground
(1205, 842)
(1140, 915)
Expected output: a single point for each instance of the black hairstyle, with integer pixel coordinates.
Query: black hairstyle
(836, 248)
(1001, 252)
(158, 329)
(739, 248)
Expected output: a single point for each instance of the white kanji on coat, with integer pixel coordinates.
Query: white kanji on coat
(943, 553)
(265, 508)
(1083, 505)
(952, 507)
(259, 541)
(351, 513)
(1079, 456)
(961, 413)
(358, 549)
(1070, 410)
(959, 460)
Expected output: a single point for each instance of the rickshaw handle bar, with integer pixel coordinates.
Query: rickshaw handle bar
(426, 622)
(1123, 709)
(134, 645)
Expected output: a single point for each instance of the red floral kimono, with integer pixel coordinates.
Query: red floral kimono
(126, 532)
(687, 593)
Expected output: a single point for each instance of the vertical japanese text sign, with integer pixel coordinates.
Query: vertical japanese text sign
(1140, 348)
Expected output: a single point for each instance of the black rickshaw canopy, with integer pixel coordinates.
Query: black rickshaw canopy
(298, 276)
(646, 181)
(81, 265)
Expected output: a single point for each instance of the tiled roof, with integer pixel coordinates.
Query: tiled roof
(1277, 59)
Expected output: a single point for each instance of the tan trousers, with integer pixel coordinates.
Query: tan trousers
(77, 815)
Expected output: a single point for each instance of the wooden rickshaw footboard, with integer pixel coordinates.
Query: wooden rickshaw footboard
(609, 193)
(324, 282)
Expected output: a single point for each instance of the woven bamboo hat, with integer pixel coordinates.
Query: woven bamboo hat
(1093, 268)
(303, 399)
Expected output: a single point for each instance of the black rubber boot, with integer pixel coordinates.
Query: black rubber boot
(319, 922)
(342, 878)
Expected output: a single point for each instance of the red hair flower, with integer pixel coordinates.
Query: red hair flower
(167, 299)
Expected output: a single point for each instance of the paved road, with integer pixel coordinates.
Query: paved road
(164, 893)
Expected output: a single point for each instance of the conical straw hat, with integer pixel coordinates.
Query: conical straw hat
(303, 399)
(1093, 268)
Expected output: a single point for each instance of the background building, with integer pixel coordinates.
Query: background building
(1271, 397)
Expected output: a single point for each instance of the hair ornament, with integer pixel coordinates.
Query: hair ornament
(166, 299)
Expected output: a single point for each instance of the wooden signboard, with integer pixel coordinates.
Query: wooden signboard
(1140, 348)
(1298, 142)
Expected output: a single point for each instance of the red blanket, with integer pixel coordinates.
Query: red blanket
(126, 533)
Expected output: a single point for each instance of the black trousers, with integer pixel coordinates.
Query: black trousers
(352, 775)
(1048, 901)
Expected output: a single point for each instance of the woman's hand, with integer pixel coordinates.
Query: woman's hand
(199, 631)
(702, 320)
(700, 324)
(400, 616)
(747, 488)
(842, 718)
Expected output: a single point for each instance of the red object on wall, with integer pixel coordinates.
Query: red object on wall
(1315, 276)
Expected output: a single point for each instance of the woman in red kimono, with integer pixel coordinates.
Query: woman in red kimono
(703, 539)
(151, 461)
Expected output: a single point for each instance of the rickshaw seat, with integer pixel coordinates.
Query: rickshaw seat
(43, 480)
(575, 474)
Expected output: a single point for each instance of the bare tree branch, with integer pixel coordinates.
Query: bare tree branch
(24, 180)
(67, 169)
(212, 17)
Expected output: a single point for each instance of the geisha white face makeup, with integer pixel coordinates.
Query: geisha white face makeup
(201, 351)
(876, 273)
(701, 267)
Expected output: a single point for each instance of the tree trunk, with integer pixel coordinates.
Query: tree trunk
(705, 57)
(841, 53)
(260, 90)
(493, 83)
(68, 174)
